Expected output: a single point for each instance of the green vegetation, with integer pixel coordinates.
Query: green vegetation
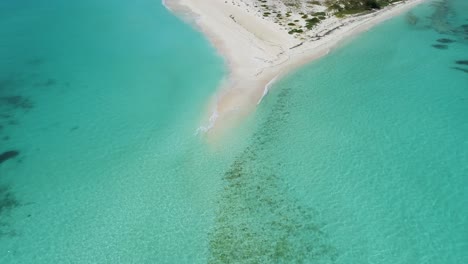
(299, 16)
(319, 14)
(310, 23)
(348, 7)
(314, 2)
(296, 31)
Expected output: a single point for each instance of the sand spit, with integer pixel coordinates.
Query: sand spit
(259, 51)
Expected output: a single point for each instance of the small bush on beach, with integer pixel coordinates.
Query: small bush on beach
(296, 31)
(342, 8)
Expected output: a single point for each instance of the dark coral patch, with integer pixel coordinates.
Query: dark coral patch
(47, 83)
(35, 62)
(8, 202)
(8, 155)
(462, 62)
(6, 84)
(440, 46)
(445, 40)
(12, 122)
(464, 28)
(259, 223)
(460, 69)
(5, 116)
(17, 101)
(257, 220)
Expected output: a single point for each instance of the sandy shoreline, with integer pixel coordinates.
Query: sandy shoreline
(258, 51)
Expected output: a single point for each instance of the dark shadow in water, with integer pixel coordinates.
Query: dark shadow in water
(17, 102)
(462, 62)
(440, 46)
(11, 83)
(47, 83)
(8, 155)
(12, 122)
(258, 221)
(460, 69)
(35, 62)
(8, 84)
(463, 30)
(440, 21)
(5, 116)
(11, 102)
(445, 40)
(411, 18)
(440, 17)
(8, 202)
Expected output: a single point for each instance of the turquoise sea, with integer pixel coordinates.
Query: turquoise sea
(359, 157)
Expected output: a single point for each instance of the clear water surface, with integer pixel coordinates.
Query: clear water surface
(359, 157)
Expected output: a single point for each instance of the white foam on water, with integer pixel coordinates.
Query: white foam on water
(165, 5)
(267, 89)
(211, 121)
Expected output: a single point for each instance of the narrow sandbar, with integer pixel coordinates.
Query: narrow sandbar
(258, 51)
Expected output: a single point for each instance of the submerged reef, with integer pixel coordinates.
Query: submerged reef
(8, 84)
(46, 83)
(8, 155)
(258, 220)
(35, 62)
(445, 40)
(440, 46)
(460, 69)
(462, 62)
(441, 21)
(411, 18)
(440, 16)
(8, 202)
(10, 101)
(17, 102)
(13, 102)
(8, 107)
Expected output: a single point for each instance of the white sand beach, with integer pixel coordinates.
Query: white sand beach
(258, 51)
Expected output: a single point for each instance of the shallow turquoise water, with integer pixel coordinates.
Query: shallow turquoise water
(360, 157)
(108, 97)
